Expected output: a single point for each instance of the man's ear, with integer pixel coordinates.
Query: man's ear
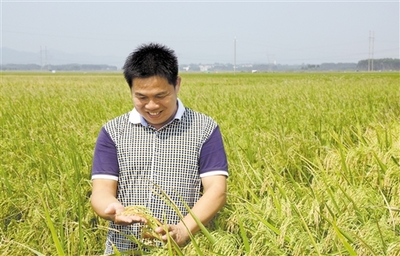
(178, 84)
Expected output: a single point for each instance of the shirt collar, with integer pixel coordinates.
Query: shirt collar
(136, 118)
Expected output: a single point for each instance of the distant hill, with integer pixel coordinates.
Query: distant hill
(53, 68)
(55, 57)
(10, 56)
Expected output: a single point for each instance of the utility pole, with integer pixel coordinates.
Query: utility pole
(41, 58)
(45, 57)
(234, 56)
(371, 51)
(269, 61)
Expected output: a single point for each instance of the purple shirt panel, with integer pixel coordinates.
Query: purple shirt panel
(212, 155)
(105, 160)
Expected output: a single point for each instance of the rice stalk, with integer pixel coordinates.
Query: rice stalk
(54, 235)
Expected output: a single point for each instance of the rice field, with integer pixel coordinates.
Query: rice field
(314, 161)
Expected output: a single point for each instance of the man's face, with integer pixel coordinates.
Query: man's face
(155, 99)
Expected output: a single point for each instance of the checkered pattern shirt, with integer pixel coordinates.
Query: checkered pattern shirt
(156, 166)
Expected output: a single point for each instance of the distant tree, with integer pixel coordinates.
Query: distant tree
(380, 64)
(338, 66)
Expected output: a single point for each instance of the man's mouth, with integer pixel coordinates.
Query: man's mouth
(154, 113)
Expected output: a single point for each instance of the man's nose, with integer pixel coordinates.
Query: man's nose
(152, 105)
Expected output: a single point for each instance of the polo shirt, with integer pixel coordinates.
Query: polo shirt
(160, 169)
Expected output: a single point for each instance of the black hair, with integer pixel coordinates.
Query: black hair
(151, 60)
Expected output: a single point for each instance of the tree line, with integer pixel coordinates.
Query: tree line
(386, 64)
(379, 64)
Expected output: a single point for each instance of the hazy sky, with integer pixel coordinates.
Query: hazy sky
(288, 32)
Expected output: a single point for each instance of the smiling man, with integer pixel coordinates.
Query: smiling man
(155, 100)
(159, 154)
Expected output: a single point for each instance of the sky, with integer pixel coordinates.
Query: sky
(281, 32)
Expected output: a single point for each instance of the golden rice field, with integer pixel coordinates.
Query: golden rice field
(314, 161)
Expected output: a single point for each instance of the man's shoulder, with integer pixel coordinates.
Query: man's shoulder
(122, 117)
(200, 121)
(190, 113)
(117, 121)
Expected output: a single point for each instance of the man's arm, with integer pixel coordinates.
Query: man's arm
(209, 204)
(106, 205)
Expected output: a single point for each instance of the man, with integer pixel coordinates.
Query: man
(159, 152)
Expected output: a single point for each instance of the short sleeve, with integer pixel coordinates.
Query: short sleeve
(105, 161)
(213, 159)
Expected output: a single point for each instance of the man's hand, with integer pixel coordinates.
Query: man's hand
(114, 211)
(177, 232)
(106, 205)
(209, 204)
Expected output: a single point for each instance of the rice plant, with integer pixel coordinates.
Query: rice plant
(314, 162)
